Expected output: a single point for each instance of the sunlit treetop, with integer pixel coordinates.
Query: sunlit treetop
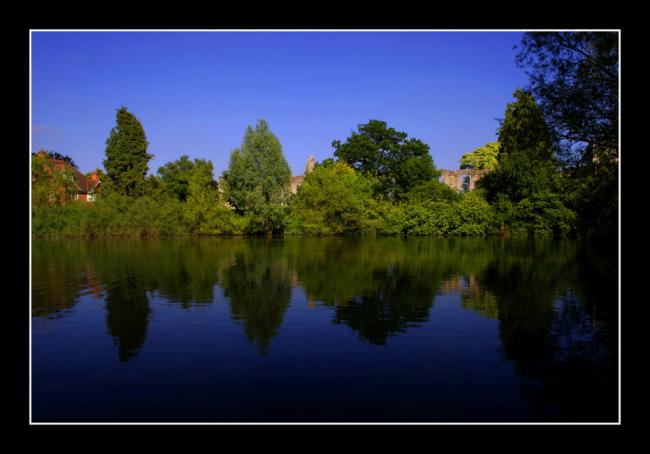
(484, 157)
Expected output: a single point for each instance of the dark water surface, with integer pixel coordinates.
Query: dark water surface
(387, 329)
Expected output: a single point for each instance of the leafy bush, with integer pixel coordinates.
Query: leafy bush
(477, 217)
(432, 218)
(544, 214)
(332, 200)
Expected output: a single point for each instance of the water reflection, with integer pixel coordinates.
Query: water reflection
(60, 272)
(378, 289)
(257, 283)
(127, 314)
(549, 328)
(556, 302)
(472, 295)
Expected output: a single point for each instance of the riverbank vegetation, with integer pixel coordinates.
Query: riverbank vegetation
(552, 172)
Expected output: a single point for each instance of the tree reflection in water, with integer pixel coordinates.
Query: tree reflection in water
(379, 287)
(556, 301)
(127, 315)
(258, 286)
(560, 337)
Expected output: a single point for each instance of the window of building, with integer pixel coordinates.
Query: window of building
(466, 183)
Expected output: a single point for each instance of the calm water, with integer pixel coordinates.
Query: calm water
(323, 330)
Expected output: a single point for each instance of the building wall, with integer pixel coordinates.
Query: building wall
(295, 182)
(454, 178)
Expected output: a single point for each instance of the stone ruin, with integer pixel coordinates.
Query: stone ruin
(311, 163)
(297, 180)
(462, 180)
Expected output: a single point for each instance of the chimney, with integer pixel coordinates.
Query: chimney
(41, 153)
(94, 176)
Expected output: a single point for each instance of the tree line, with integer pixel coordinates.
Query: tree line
(554, 171)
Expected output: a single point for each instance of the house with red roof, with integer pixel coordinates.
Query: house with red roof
(86, 186)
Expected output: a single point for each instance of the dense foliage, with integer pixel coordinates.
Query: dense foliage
(176, 177)
(526, 188)
(386, 154)
(575, 78)
(333, 199)
(50, 185)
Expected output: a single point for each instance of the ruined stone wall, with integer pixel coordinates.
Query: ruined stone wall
(454, 178)
(295, 182)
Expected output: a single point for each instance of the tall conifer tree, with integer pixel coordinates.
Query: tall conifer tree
(126, 154)
(526, 186)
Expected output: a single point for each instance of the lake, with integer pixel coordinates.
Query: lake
(323, 330)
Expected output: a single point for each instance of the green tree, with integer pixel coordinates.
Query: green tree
(332, 200)
(202, 197)
(397, 162)
(594, 195)
(62, 157)
(193, 184)
(484, 157)
(155, 188)
(175, 176)
(126, 154)
(51, 185)
(257, 180)
(434, 191)
(527, 176)
(477, 217)
(575, 78)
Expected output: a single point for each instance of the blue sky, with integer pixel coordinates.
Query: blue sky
(196, 92)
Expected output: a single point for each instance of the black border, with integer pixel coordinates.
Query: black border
(19, 126)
